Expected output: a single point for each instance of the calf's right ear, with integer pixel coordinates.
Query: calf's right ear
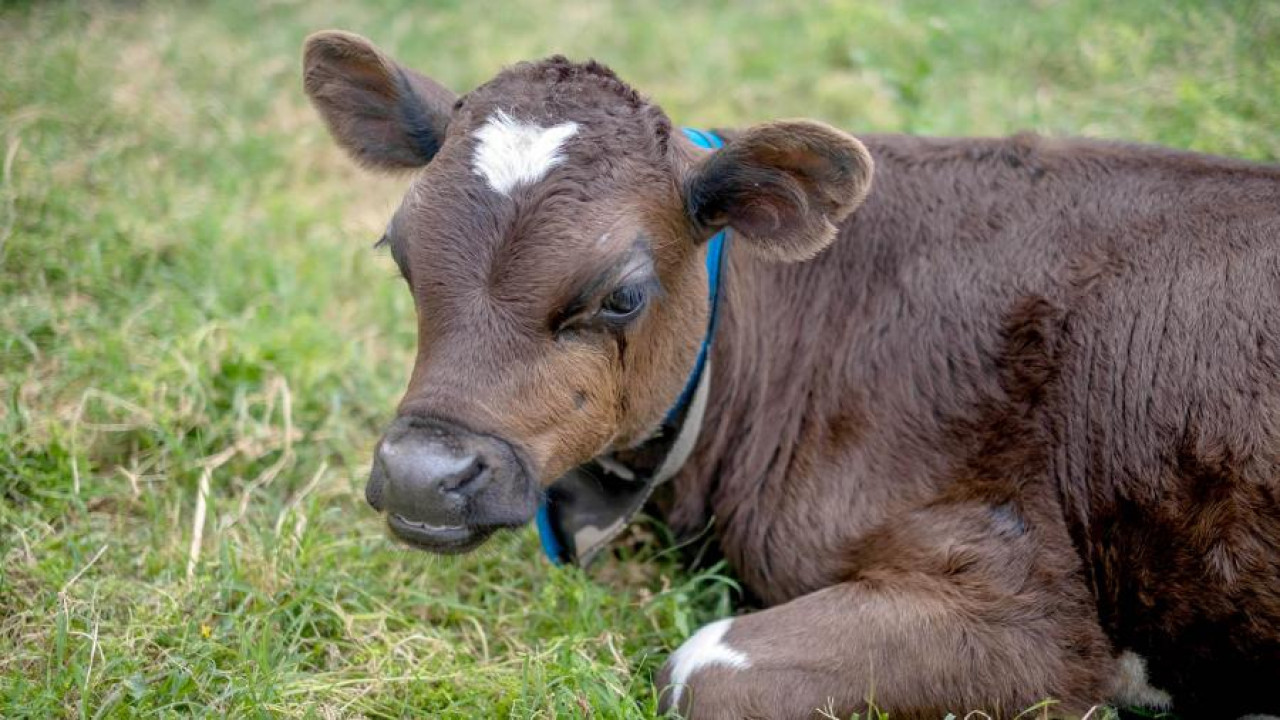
(386, 116)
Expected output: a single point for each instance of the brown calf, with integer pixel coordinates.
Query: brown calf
(1002, 425)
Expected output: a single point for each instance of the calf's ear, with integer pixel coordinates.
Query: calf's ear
(385, 116)
(781, 187)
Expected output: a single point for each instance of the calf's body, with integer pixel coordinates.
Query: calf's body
(1022, 416)
(989, 422)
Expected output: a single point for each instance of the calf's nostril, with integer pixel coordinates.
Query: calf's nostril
(465, 477)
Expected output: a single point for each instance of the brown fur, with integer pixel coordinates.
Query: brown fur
(1061, 360)
(1022, 415)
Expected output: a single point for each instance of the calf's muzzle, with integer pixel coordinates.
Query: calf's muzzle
(445, 488)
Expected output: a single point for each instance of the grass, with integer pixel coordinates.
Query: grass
(192, 325)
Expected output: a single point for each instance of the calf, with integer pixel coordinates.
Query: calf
(1001, 425)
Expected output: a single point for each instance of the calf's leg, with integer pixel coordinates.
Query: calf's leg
(952, 609)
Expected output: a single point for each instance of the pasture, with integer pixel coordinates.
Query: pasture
(198, 345)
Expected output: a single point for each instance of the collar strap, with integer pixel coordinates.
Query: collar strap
(591, 504)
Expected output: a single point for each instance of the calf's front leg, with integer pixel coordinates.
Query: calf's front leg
(952, 610)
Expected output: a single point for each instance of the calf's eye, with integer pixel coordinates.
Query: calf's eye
(623, 304)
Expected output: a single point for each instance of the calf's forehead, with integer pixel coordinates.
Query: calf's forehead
(548, 167)
(556, 219)
(517, 191)
(578, 120)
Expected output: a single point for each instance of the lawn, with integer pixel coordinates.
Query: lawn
(198, 345)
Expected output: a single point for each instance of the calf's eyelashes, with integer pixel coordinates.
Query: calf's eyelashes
(396, 250)
(608, 302)
(624, 303)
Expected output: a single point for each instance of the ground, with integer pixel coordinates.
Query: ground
(189, 300)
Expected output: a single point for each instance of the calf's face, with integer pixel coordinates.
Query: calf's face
(553, 238)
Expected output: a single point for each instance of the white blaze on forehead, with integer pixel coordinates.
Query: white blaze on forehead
(511, 153)
(705, 649)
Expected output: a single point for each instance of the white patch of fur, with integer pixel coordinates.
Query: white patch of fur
(705, 649)
(1132, 689)
(512, 153)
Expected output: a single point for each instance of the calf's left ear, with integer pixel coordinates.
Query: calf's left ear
(385, 116)
(781, 187)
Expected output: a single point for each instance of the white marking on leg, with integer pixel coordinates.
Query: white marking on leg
(705, 649)
(1132, 688)
(512, 153)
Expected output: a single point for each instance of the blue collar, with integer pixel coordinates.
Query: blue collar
(715, 253)
(551, 542)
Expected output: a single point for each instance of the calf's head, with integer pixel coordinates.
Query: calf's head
(553, 239)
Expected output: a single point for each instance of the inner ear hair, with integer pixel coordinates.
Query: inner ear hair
(782, 186)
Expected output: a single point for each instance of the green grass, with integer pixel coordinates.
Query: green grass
(187, 292)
